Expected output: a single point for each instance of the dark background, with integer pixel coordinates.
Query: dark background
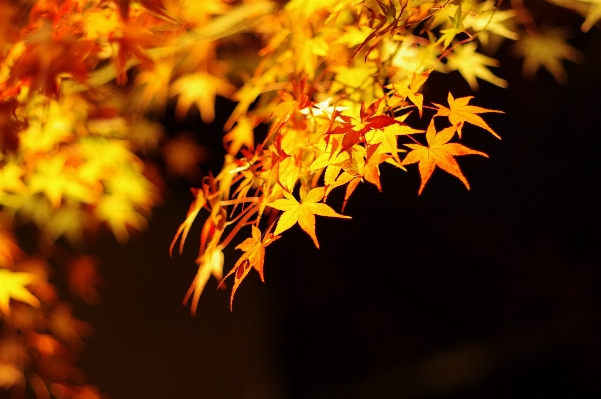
(493, 292)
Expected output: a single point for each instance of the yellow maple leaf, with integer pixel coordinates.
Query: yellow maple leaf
(387, 137)
(12, 286)
(593, 14)
(11, 178)
(413, 58)
(488, 19)
(210, 263)
(69, 221)
(472, 65)
(184, 228)
(153, 84)
(403, 90)
(303, 212)
(546, 50)
(460, 112)
(57, 180)
(119, 212)
(309, 8)
(354, 35)
(201, 89)
(241, 135)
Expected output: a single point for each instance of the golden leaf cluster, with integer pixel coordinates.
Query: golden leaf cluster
(335, 82)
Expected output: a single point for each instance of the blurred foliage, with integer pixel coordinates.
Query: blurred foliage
(340, 84)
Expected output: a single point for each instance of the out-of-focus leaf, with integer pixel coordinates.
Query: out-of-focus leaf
(200, 89)
(84, 278)
(12, 286)
(472, 65)
(439, 152)
(547, 49)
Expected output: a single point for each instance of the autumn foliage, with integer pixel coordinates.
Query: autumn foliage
(337, 83)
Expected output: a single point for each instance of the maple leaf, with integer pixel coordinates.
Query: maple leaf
(69, 221)
(374, 157)
(84, 278)
(11, 178)
(253, 257)
(211, 262)
(354, 35)
(303, 212)
(415, 57)
(134, 39)
(154, 85)
(460, 112)
(309, 8)
(546, 50)
(119, 212)
(387, 136)
(160, 9)
(322, 109)
(12, 286)
(449, 34)
(309, 49)
(66, 327)
(254, 248)
(353, 77)
(8, 249)
(57, 179)
(490, 19)
(47, 58)
(201, 89)
(456, 27)
(403, 91)
(184, 228)
(439, 153)
(241, 135)
(593, 14)
(472, 65)
(369, 120)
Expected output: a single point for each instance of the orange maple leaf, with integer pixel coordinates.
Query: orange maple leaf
(303, 212)
(47, 58)
(253, 257)
(374, 158)
(133, 41)
(183, 230)
(459, 113)
(438, 153)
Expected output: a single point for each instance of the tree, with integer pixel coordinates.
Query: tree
(333, 84)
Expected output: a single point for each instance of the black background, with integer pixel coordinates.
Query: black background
(492, 292)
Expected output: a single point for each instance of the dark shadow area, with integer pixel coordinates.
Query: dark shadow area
(488, 293)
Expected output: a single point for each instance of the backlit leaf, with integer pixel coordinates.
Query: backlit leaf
(460, 112)
(439, 152)
(303, 212)
(12, 286)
